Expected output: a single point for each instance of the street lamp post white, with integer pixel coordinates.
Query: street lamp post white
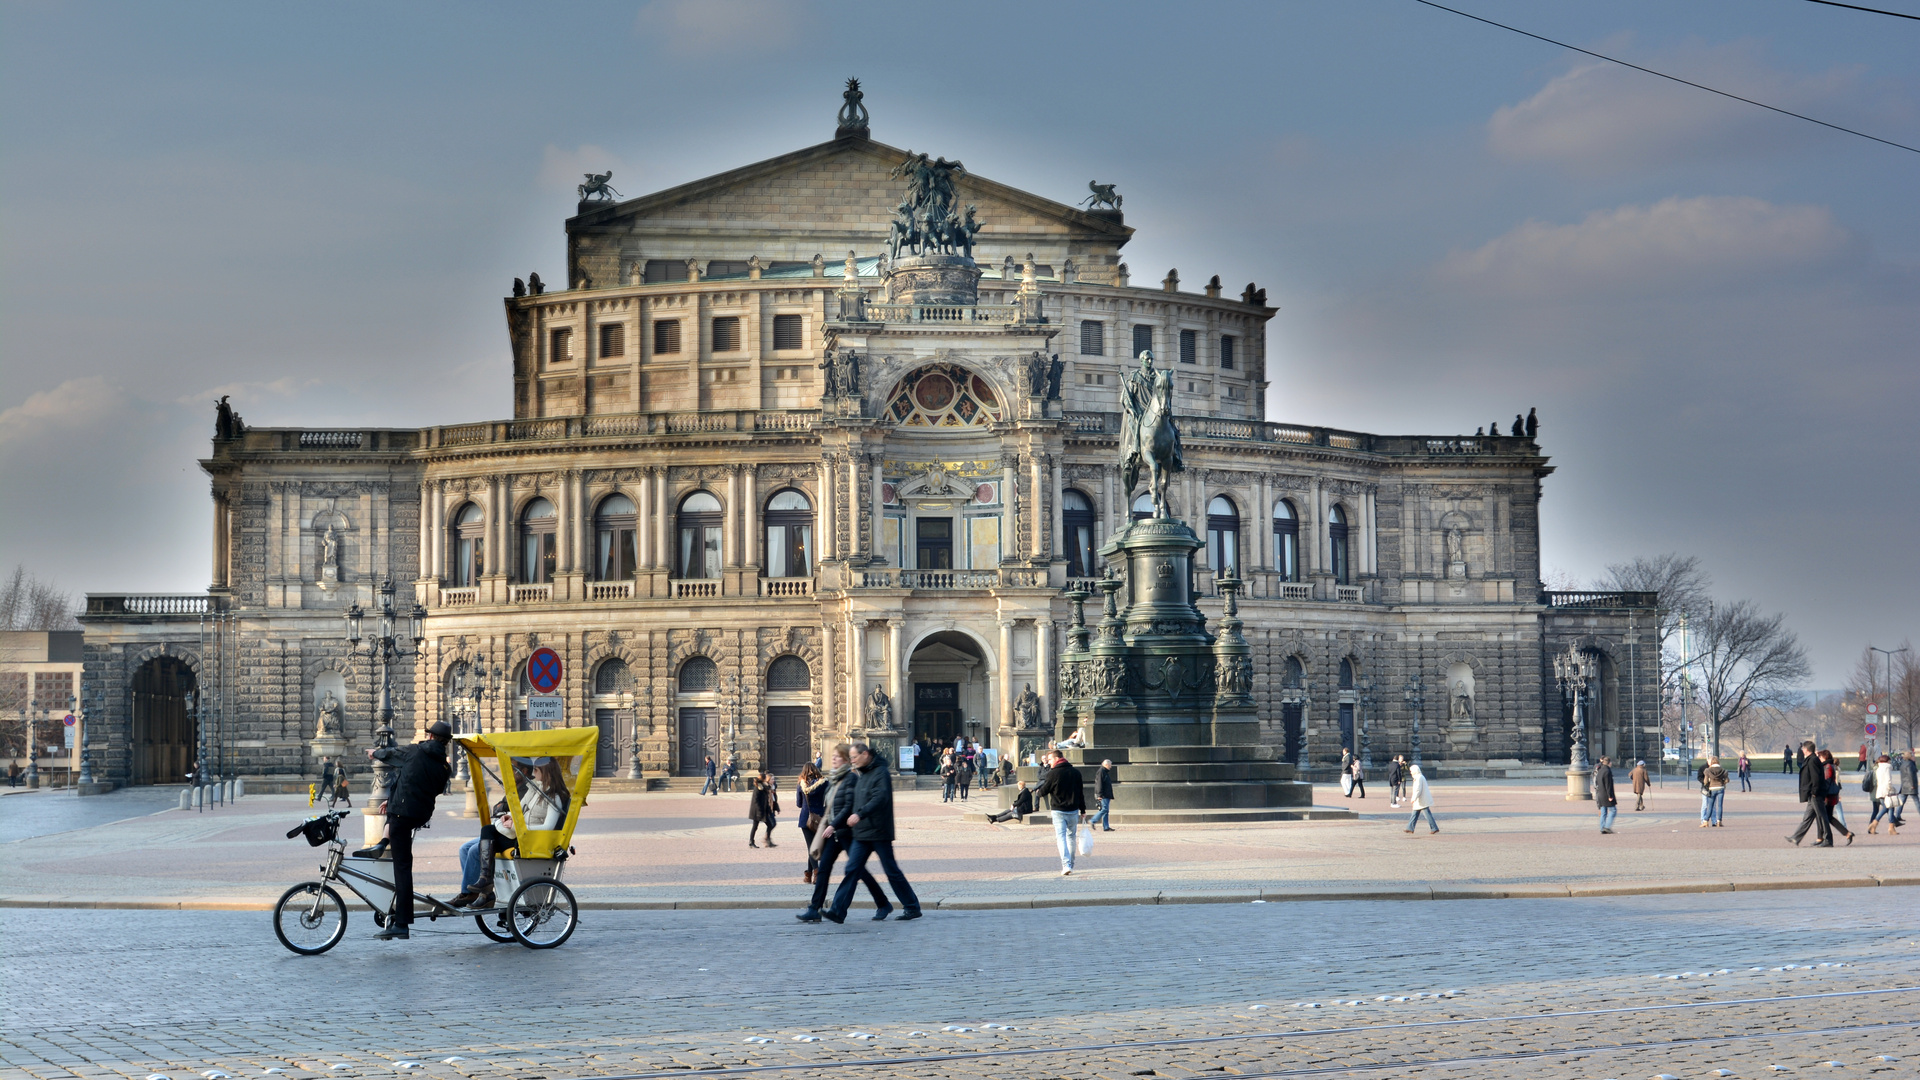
(1575, 669)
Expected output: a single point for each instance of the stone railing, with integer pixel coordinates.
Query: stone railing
(466, 596)
(786, 586)
(1088, 585)
(558, 428)
(695, 588)
(331, 440)
(976, 314)
(531, 594)
(1598, 599)
(1296, 590)
(1349, 594)
(884, 577)
(610, 590)
(1093, 423)
(949, 579)
(148, 605)
(1266, 431)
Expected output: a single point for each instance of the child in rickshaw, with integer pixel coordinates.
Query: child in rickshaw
(543, 802)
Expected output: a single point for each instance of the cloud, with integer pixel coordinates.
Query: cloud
(72, 405)
(707, 27)
(1604, 118)
(1703, 242)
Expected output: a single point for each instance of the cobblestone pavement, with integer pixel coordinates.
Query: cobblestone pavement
(1497, 837)
(26, 814)
(1588, 988)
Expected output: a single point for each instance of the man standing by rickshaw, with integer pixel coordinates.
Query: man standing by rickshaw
(420, 775)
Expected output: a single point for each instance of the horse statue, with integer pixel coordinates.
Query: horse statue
(598, 188)
(1103, 195)
(1148, 437)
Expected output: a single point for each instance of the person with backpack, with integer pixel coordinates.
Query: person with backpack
(1882, 785)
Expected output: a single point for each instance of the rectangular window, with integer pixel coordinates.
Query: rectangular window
(613, 339)
(1142, 339)
(933, 542)
(1189, 347)
(786, 332)
(562, 347)
(1093, 338)
(666, 336)
(726, 333)
(660, 270)
(1226, 351)
(727, 268)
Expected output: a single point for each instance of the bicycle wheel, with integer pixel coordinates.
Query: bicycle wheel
(493, 930)
(542, 913)
(310, 919)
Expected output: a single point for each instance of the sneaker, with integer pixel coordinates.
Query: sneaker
(1066, 873)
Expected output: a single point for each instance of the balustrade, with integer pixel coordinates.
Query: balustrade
(531, 594)
(788, 586)
(1296, 590)
(610, 590)
(695, 588)
(461, 597)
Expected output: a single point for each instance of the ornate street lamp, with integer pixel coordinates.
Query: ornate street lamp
(86, 739)
(1416, 700)
(383, 649)
(633, 746)
(1367, 701)
(33, 759)
(1575, 669)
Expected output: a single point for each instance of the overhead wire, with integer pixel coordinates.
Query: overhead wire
(1870, 10)
(1670, 78)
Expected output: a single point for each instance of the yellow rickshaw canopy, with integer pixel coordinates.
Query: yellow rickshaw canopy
(580, 743)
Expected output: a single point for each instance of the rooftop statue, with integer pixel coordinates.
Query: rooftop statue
(853, 115)
(597, 187)
(1103, 195)
(930, 221)
(1148, 437)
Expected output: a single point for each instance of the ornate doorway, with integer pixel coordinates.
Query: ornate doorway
(697, 740)
(163, 731)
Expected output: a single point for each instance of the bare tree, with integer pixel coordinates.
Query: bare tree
(1897, 692)
(1682, 586)
(27, 603)
(1746, 661)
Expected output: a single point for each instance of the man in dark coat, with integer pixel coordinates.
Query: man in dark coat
(1103, 791)
(1813, 792)
(843, 784)
(1066, 796)
(1603, 796)
(420, 775)
(871, 819)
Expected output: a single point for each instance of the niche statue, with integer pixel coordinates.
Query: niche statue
(879, 710)
(329, 716)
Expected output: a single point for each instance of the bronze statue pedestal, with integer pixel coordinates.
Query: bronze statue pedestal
(934, 281)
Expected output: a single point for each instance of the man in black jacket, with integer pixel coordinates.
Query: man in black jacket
(871, 819)
(1103, 791)
(420, 775)
(1066, 797)
(1022, 806)
(1813, 792)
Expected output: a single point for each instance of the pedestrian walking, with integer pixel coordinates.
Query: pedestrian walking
(1103, 793)
(420, 775)
(1882, 785)
(1836, 812)
(763, 807)
(326, 779)
(1863, 758)
(1713, 793)
(1909, 780)
(1420, 797)
(1603, 796)
(1746, 772)
(712, 786)
(1396, 779)
(829, 842)
(949, 777)
(1786, 760)
(871, 820)
(1359, 774)
(342, 793)
(1067, 799)
(1641, 782)
(1022, 806)
(964, 776)
(1813, 793)
(810, 802)
(1346, 773)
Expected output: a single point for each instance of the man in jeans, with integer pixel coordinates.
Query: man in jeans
(1103, 791)
(1066, 797)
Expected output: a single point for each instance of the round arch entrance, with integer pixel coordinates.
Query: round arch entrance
(949, 689)
(163, 733)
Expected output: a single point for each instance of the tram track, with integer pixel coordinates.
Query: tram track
(1352, 1029)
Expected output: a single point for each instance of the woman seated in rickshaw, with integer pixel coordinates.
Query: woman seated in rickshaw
(543, 802)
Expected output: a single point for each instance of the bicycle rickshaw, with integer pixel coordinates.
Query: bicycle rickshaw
(540, 912)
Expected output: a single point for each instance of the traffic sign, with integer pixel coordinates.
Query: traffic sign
(1873, 729)
(544, 669)
(69, 719)
(1873, 708)
(546, 709)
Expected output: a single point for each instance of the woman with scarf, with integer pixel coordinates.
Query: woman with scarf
(763, 807)
(810, 799)
(828, 844)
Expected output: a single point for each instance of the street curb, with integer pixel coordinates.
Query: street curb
(1542, 891)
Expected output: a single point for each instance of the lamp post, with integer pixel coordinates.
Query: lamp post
(633, 747)
(1367, 701)
(383, 649)
(1416, 700)
(33, 759)
(86, 740)
(1575, 669)
(1888, 653)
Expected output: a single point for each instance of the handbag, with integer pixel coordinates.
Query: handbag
(1346, 783)
(1085, 841)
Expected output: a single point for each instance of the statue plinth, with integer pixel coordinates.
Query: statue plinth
(934, 281)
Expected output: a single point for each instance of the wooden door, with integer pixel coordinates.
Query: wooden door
(789, 737)
(697, 740)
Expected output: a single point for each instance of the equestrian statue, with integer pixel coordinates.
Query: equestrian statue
(1148, 437)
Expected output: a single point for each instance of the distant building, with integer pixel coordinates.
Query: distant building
(40, 678)
(750, 478)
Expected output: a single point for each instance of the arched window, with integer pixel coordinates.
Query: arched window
(613, 677)
(789, 535)
(698, 675)
(614, 525)
(468, 538)
(1076, 525)
(1223, 536)
(1143, 507)
(1337, 542)
(538, 542)
(1295, 676)
(1286, 541)
(789, 673)
(699, 536)
(1346, 674)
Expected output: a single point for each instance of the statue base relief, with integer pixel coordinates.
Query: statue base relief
(934, 281)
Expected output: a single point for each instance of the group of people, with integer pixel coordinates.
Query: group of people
(849, 809)
(721, 778)
(1889, 784)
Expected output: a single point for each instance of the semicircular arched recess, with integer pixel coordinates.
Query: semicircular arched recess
(944, 396)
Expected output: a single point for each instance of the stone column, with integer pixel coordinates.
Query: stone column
(1054, 522)
(878, 505)
(662, 522)
(750, 516)
(1109, 518)
(563, 524)
(1009, 510)
(219, 539)
(1003, 698)
(730, 527)
(826, 677)
(828, 525)
(856, 682)
(1036, 516)
(896, 666)
(1042, 668)
(855, 549)
(438, 539)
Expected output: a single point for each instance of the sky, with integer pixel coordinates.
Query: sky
(316, 210)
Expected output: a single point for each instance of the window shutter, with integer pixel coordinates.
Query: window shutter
(1189, 347)
(666, 336)
(562, 347)
(1142, 339)
(726, 333)
(1093, 338)
(786, 332)
(613, 339)
(659, 270)
(1226, 351)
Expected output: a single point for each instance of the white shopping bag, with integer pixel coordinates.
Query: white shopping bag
(1346, 783)
(1086, 840)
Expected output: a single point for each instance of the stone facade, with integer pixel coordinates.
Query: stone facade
(674, 431)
